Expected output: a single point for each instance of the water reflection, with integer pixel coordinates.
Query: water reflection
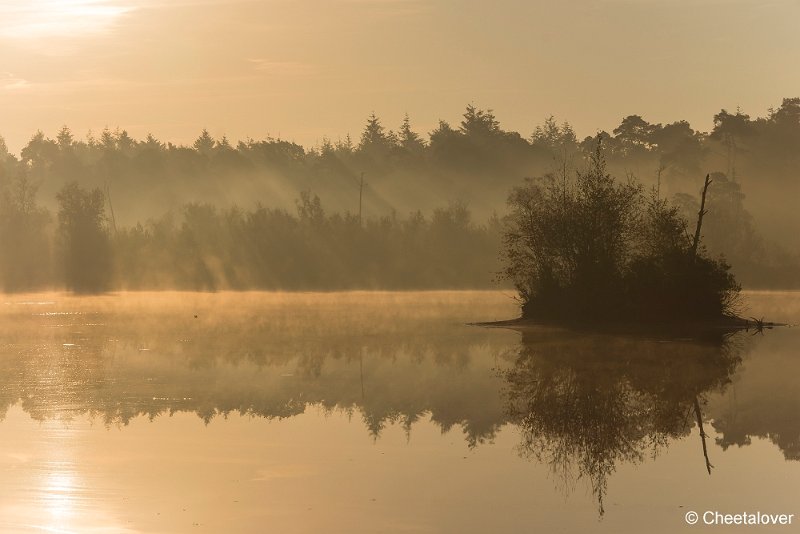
(391, 358)
(763, 400)
(587, 403)
(58, 490)
(583, 404)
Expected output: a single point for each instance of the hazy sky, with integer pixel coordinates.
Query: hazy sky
(304, 69)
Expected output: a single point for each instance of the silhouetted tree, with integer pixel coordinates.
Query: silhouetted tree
(443, 139)
(732, 130)
(24, 242)
(479, 123)
(40, 152)
(634, 134)
(205, 143)
(554, 137)
(374, 138)
(679, 148)
(409, 140)
(586, 251)
(83, 240)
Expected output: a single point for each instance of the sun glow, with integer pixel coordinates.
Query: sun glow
(41, 19)
(59, 497)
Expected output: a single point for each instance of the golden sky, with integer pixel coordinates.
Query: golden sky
(304, 69)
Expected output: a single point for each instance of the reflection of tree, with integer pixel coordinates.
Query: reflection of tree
(763, 402)
(586, 405)
(266, 356)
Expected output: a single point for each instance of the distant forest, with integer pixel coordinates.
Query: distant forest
(391, 209)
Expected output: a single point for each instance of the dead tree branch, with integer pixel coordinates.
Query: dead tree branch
(700, 214)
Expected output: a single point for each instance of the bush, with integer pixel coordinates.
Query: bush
(593, 249)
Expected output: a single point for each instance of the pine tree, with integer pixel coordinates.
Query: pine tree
(479, 123)
(205, 143)
(408, 138)
(374, 134)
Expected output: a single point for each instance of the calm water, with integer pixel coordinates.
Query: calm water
(382, 412)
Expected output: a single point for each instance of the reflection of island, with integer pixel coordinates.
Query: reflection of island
(593, 402)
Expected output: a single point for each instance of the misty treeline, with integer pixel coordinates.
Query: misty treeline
(473, 163)
(203, 247)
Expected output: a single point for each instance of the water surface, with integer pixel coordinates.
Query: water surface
(382, 412)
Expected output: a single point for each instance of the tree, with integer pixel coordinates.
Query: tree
(40, 152)
(442, 133)
(24, 244)
(679, 147)
(553, 137)
(374, 138)
(125, 143)
(7, 159)
(83, 239)
(634, 134)
(223, 144)
(205, 143)
(479, 123)
(344, 147)
(780, 135)
(151, 143)
(410, 140)
(732, 130)
(377, 146)
(595, 250)
(309, 209)
(730, 228)
(788, 113)
(108, 141)
(4, 153)
(65, 138)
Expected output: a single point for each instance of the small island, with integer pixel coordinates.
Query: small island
(591, 250)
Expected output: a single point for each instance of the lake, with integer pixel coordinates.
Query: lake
(383, 412)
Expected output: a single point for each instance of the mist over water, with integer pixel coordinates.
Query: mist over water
(250, 396)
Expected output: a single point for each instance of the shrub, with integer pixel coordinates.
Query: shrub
(594, 249)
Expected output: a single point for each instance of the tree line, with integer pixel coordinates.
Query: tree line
(476, 149)
(473, 163)
(203, 247)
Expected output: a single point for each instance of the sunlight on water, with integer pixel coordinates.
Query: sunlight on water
(58, 498)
